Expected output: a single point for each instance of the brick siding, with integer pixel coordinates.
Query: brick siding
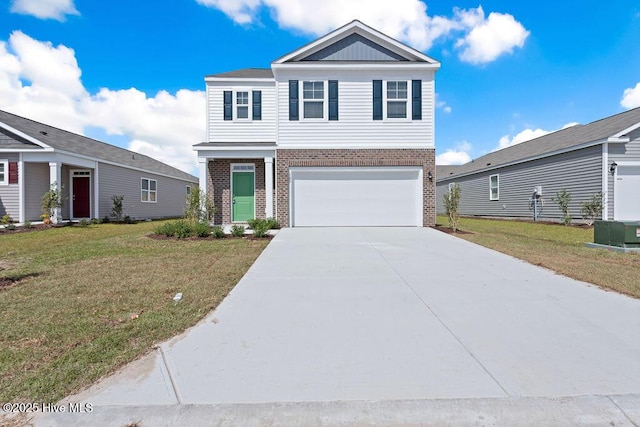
(350, 158)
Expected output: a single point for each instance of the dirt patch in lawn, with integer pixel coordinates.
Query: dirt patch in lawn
(9, 282)
(449, 230)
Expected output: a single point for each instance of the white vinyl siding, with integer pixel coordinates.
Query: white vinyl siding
(10, 194)
(494, 187)
(4, 172)
(245, 130)
(356, 124)
(148, 190)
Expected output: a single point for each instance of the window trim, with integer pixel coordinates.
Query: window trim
(497, 187)
(407, 100)
(325, 102)
(5, 172)
(236, 105)
(148, 190)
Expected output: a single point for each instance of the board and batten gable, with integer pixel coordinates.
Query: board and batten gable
(579, 172)
(119, 181)
(620, 153)
(10, 193)
(243, 130)
(355, 124)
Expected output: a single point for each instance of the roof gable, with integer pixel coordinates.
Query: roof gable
(12, 141)
(355, 42)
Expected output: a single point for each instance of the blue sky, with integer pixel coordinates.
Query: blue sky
(131, 72)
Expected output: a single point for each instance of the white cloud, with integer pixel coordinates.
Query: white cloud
(631, 97)
(45, 9)
(442, 105)
(456, 156)
(526, 135)
(483, 39)
(490, 38)
(42, 82)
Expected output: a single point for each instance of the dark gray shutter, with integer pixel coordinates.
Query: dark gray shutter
(416, 99)
(228, 105)
(333, 100)
(293, 100)
(257, 105)
(377, 100)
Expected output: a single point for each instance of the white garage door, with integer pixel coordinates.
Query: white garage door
(626, 205)
(359, 196)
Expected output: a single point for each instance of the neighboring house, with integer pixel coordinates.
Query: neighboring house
(337, 133)
(603, 156)
(35, 156)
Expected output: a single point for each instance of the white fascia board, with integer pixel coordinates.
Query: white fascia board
(624, 132)
(616, 139)
(373, 146)
(240, 79)
(26, 150)
(23, 135)
(526, 159)
(365, 66)
(365, 31)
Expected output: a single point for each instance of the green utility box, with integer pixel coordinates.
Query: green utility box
(624, 234)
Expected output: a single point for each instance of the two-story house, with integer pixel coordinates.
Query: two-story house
(337, 133)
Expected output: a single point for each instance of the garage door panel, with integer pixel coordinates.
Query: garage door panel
(354, 197)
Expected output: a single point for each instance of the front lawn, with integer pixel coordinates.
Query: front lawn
(559, 248)
(89, 300)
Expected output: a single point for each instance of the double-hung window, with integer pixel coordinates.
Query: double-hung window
(4, 172)
(148, 190)
(313, 99)
(397, 99)
(242, 105)
(494, 187)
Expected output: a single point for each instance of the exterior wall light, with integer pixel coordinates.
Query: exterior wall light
(430, 176)
(612, 168)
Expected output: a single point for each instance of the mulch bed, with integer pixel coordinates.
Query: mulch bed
(227, 236)
(450, 230)
(34, 227)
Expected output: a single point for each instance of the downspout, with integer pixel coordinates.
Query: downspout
(605, 181)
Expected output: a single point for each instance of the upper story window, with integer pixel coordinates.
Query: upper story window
(4, 172)
(148, 190)
(494, 187)
(397, 99)
(313, 100)
(242, 105)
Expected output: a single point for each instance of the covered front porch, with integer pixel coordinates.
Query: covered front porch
(239, 178)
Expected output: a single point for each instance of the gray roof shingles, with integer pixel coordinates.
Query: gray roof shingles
(246, 73)
(67, 141)
(563, 139)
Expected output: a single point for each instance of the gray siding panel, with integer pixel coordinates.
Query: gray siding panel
(10, 194)
(580, 172)
(36, 183)
(355, 48)
(114, 180)
(629, 152)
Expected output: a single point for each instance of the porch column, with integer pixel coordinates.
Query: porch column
(96, 192)
(203, 167)
(55, 180)
(21, 193)
(268, 184)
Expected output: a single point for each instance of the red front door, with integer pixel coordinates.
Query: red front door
(81, 197)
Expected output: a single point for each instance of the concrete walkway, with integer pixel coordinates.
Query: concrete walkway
(352, 326)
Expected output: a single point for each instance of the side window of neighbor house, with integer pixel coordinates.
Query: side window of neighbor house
(494, 187)
(148, 190)
(4, 172)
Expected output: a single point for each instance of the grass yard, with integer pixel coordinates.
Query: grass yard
(558, 248)
(69, 320)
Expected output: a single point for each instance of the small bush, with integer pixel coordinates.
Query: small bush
(273, 224)
(6, 219)
(96, 221)
(10, 227)
(117, 207)
(563, 198)
(269, 223)
(451, 200)
(200, 206)
(201, 229)
(237, 230)
(592, 208)
(106, 220)
(217, 232)
(84, 222)
(252, 222)
(27, 224)
(167, 229)
(261, 228)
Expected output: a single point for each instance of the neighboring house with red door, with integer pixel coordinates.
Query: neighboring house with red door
(337, 133)
(599, 157)
(34, 156)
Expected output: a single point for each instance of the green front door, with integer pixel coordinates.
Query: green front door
(242, 198)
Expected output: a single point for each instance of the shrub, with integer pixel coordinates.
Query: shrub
(237, 230)
(27, 224)
(269, 223)
(252, 222)
(217, 232)
(201, 229)
(273, 224)
(106, 220)
(261, 228)
(83, 222)
(96, 221)
(6, 219)
(200, 206)
(10, 227)
(168, 229)
(116, 207)
(451, 201)
(592, 208)
(563, 198)
(51, 201)
(183, 229)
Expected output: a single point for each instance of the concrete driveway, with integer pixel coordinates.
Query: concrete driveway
(342, 326)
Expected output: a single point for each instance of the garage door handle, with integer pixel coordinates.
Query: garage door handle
(233, 201)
